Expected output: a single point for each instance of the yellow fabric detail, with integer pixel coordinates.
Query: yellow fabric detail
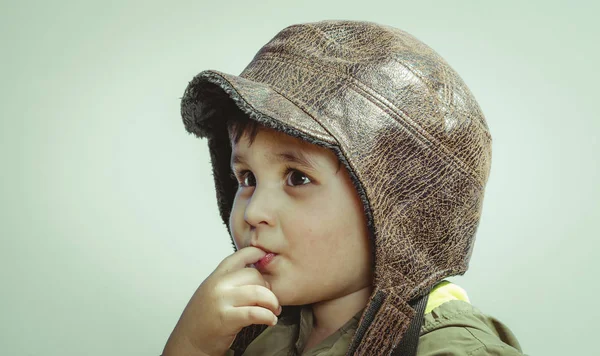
(444, 292)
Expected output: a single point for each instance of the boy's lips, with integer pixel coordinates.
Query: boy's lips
(264, 262)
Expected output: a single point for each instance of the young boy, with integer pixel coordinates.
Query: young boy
(350, 162)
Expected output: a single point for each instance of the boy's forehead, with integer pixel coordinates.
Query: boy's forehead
(280, 147)
(294, 156)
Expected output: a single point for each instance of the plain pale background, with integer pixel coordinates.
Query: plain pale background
(109, 220)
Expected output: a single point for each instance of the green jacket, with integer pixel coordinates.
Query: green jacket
(451, 326)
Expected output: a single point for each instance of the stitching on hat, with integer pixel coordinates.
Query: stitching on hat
(386, 56)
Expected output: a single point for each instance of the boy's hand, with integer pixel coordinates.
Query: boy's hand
(231, 298)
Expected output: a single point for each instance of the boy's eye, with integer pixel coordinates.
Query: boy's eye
(247, 179)
(295, 178)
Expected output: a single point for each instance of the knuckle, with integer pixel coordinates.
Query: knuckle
(218, 288)
(257, 293)
(255, 314)
(221, 319)
(255, 274)
(250, 313)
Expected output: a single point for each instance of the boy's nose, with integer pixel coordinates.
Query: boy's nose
(259, 210)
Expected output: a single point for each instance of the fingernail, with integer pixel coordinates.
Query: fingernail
(279, 310)
(275, 320)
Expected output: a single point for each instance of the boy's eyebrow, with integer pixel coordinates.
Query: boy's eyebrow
(287, 156)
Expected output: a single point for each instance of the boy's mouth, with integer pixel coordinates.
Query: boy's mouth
(262, 264)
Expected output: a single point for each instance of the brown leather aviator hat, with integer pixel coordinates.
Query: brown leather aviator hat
(404, 124)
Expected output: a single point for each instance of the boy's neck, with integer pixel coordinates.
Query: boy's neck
(330, 315)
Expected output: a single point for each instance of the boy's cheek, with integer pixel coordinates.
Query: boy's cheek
(238, 244)
(236, 239)
(234, 234)
(234, 224)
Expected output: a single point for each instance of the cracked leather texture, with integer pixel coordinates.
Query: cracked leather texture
(402, 121)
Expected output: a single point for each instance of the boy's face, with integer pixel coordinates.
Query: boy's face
(295, 201)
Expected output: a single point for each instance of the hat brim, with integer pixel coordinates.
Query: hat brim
(205, 93)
